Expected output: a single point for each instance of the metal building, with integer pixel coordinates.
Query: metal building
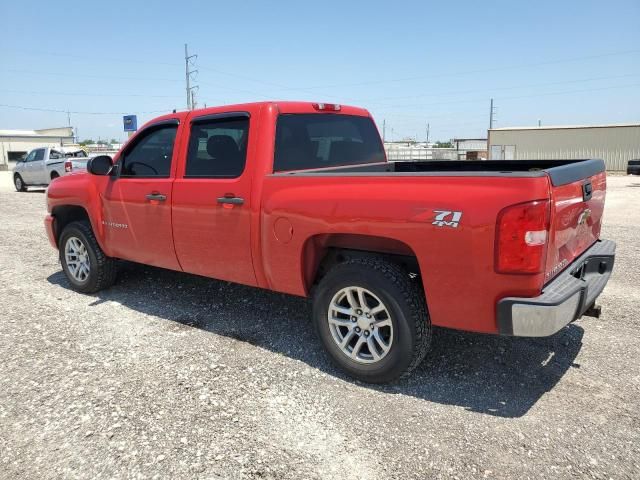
(470, 148)
(615, 144)
(16, 143)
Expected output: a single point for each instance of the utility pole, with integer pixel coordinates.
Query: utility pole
(428, 133)
(384, 130)
(193, 98)
(491, 115)
(188, 72)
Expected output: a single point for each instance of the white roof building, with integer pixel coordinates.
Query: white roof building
(16, 143)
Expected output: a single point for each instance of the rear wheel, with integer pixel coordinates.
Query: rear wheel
(19, 183)
(372, 319)
(84, 263)
(54, 175)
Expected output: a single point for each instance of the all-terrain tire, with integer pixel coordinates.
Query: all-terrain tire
(407, 308)
(102, 269)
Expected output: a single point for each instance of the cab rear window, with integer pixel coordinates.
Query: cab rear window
(307, 141)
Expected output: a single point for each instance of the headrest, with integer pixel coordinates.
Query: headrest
(222, 146)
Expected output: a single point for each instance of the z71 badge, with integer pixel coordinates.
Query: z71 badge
(446, 218)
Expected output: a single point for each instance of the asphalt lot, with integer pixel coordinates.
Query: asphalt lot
(167, 375)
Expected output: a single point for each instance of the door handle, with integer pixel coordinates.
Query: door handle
(157, 197)
(231, 200)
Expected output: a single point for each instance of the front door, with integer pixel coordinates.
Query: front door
(26, 168)
(137, 202)
(39, 168)
(212, 201)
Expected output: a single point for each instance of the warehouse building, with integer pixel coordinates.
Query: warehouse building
(16, 143)
(615, 144)
(470, 148)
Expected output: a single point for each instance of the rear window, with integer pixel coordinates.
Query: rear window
(305, 141)
(634, 162)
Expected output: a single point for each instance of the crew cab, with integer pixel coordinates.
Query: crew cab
(42, 165)
(299, 198)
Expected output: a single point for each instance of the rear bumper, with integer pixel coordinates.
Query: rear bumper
(563, 300)
(50, 229)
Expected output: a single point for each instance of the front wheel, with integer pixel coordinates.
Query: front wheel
(19, 183)
(86, 266)
(372, 319)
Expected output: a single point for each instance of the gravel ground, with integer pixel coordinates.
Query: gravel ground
(171, 375)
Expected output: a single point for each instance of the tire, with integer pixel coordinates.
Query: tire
(78, 237)
(406, 336)
(19, 183)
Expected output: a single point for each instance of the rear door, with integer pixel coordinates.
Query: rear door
(576, 216)
(212, 200)
(137, 203)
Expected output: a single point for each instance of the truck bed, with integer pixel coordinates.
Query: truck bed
(561, 172)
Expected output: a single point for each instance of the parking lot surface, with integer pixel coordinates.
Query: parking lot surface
(167, 375)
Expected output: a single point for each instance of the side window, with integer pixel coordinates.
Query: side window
(39, 155)
(31, 156)
(55, 155)
(150, 155)
(218, 148)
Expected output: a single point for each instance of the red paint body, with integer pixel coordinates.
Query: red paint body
(276, 239)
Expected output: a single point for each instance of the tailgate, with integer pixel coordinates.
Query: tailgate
(577, 203)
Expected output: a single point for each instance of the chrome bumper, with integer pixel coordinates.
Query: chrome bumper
(563, 300)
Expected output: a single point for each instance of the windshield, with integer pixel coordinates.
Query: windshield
(306, 141)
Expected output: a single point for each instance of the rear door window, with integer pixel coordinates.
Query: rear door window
(306, 141)
(217, 148)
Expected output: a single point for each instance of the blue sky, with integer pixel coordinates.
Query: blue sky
(410, 63)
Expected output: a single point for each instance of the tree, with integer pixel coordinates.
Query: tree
(443, 145)
(86, 142)
(113, 140)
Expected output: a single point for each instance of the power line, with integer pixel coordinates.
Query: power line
(84, 75)
(76, 94)
(497, 89)
(57, 110)
(486, 70)
(566, 92)
(311, 89)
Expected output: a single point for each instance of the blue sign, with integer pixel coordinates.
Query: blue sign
(130, 123)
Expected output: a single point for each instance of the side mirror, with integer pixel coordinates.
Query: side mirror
(100, 165)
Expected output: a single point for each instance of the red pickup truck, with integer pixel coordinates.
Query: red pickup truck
(299, 198)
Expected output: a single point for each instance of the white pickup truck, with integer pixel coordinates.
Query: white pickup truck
(42, 165)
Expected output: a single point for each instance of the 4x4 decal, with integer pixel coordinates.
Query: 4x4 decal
(446, 218)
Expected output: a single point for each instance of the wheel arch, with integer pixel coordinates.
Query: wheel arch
(64, 215)
(323, 251)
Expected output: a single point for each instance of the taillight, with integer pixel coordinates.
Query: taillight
(328, 107)
(522, 233)
(68, 166)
